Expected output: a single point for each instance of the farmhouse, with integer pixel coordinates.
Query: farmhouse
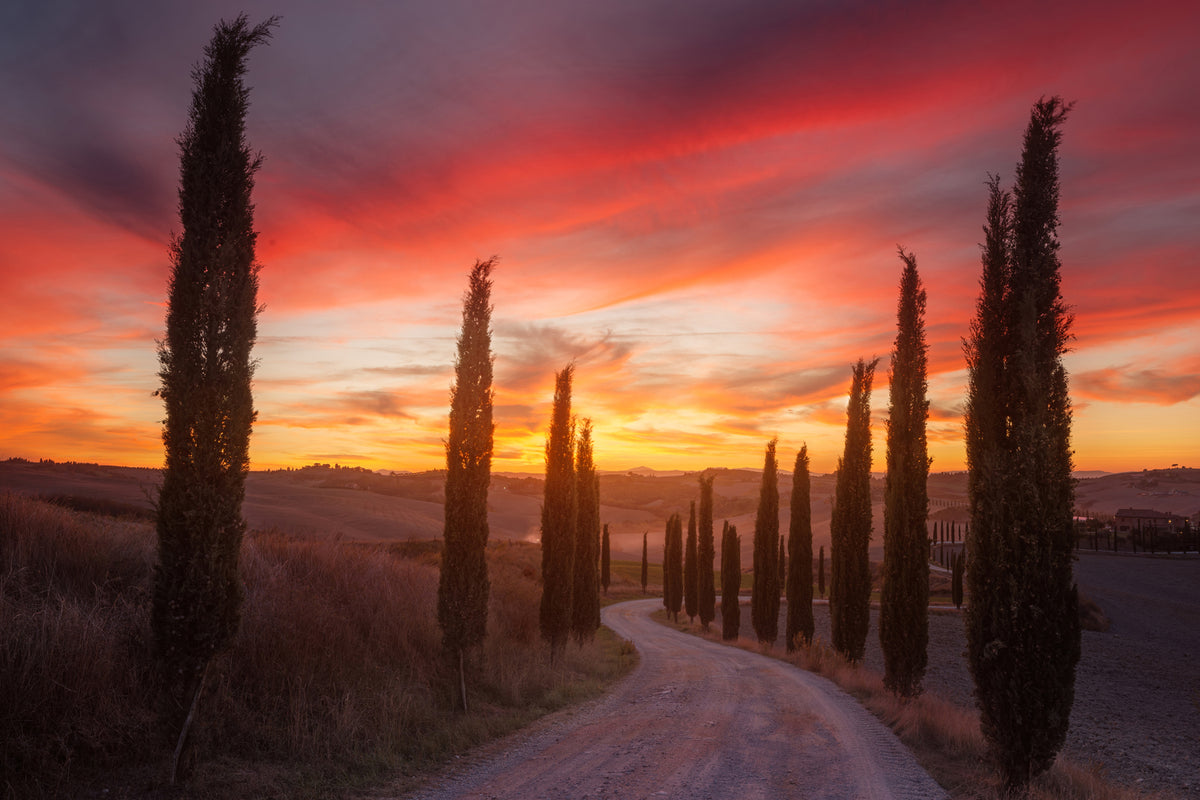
(1145, 519)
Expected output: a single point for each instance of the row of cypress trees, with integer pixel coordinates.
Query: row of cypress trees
(570, 604)
(1022, 624)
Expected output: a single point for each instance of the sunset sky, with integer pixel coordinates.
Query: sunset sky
(698, 202)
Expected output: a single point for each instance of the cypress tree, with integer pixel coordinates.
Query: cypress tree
(585, 589)
(558, 519)
(463, 580)
(799, 578)
(691, 572)
(706, 552)
(1023, 635)
(673, 566)
(605, 560)
(645, 563)
(781, 562)
(731, 582)
(821, 572)
(904, 598)
(206, 372)
(764, 598)
(850, 525)
(666, 564)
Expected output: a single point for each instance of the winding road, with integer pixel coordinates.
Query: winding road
(697, 719)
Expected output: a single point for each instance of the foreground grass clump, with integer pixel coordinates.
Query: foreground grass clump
(335, 679)
(944, 737)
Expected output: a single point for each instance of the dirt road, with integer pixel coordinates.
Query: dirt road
(699, 720)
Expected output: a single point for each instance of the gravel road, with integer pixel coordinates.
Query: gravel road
(698, 720)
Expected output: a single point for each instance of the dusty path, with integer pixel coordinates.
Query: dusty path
(699, 720)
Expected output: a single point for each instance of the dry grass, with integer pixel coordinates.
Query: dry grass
(335, 679)
(944, 737)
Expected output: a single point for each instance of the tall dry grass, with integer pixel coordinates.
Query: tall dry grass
(336, 671)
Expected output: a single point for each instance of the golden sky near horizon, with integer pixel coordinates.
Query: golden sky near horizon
(699, 204)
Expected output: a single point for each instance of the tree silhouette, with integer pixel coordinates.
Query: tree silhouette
(691, 572)
(764, 598)
(799, 578)
(558, 519)
(904, 599)
(706, 552)
(731, 582)
(645, 563)
(463, 580)
(585, 598)
(1023, 635)
(850, 525)
(673, 566)
(206, 372)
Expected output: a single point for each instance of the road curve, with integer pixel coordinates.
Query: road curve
(698, 719)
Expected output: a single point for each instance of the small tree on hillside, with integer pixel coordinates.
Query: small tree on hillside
(904, 600)
(206, 371)
(605, 562)
(585, 591)
(691, 571)
(799, 579)
(645, 563)
(731, 582)
(706, 552)
(850, 526)
(764, 598)
(463, 576)
(558, 519)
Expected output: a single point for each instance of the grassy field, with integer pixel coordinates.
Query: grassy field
(335, 680)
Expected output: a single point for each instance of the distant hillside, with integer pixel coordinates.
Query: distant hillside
(360, 505)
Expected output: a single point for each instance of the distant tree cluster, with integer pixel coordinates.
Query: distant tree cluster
(559, 514)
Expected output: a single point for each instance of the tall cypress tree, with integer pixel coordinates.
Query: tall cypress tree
(731, 582)
(645, 563)
(850, 526)
(764, 598)
(904, 599)
(673, 566)
(1023, 636)
(206, 372)
(558, 519)
(799, 579)
(691, 572)
(706, 552)
(821, 571)
(585, 591)
(463, 581)
(605, 560)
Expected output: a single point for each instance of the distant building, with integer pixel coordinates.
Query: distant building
(1145, 519)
